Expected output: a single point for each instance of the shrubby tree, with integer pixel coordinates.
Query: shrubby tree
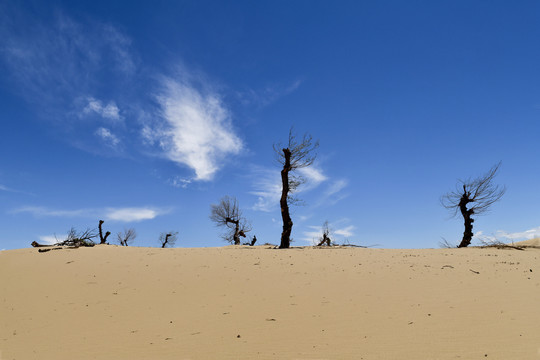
(127, 237)
(168, 239)
(325, 238)
(473, 197)
(295, 154)
(228, 214)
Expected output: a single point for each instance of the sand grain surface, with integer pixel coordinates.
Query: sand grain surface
(111, 302)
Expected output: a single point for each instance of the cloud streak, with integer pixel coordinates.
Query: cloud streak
(127, 214)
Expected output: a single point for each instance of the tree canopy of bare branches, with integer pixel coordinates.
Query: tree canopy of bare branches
(127, 237)
(228, 214)
(473, 197)
(168, 239)
(296, 154)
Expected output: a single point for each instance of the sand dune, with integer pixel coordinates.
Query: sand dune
(109, 302)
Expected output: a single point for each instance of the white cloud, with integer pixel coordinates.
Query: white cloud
(267, 184)
(336, 186)
(509, 237)
(197, 131)
(313, 176)
(346, 231)
(109, 111)
(315, 233)
(128, 214)
(48, 239)
(132, 214)
(109, 138)
(179, 182)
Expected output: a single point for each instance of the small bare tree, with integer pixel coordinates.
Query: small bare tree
(127, 237)
(325, 238)
(168, 239)
(103, 239)
(292, 156)
(228, 214)
(481, 193)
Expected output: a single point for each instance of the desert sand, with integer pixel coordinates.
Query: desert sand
(110, 302)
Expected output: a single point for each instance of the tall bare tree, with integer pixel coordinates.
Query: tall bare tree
(292, 156)
(127, 237)
(473, 197)
(168, 239)
(228, 214)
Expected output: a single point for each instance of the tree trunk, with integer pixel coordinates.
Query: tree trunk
(236, 236)
(285, 215)
(103, 239)
(468, 221)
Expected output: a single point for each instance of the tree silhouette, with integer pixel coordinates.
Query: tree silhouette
(103, 239)
(228, 214)
(168, 239)
(292, 156)
(127, 237)
(480, 193)
(325, 238)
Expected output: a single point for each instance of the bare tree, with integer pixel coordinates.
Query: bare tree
(103, 239)
(127, 237)
(481, 193)
(74, 238)
(325, 238)
(168, 239)
(228, 214)
(294, 155)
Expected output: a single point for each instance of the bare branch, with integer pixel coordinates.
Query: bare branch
(127, 237)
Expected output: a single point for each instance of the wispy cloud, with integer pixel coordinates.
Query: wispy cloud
(267, 95)
(128, 214)
(55, 64)
(267, 185)
(506, 236)
(196, 131)
(107, 137)
(39, 211)
(49, 239)
(109, 111)
(315, 233)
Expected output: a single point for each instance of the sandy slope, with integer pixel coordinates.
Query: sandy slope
(109, 302)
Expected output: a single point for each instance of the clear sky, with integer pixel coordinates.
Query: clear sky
(143, 114)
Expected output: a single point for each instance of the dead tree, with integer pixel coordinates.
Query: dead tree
(481, 193)
(168, 239)
(103, 239)
(228, 214)
(74, 239)
(294, 155)
(325, 239)
(127, 237)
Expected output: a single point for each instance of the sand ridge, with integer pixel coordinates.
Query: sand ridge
(111, 302)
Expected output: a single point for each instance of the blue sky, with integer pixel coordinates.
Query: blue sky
(144, 114)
